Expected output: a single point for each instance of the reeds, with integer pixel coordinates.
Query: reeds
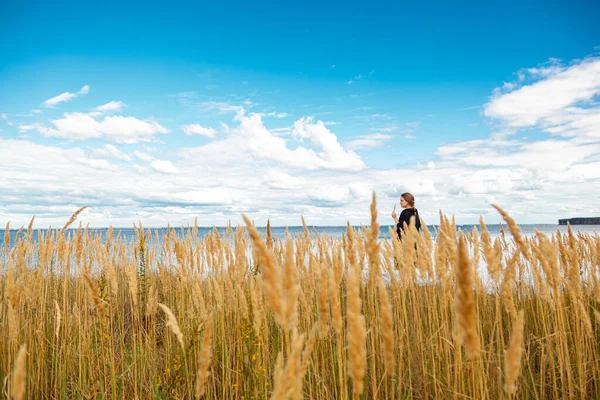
(309, 316)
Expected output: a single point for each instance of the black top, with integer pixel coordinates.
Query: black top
(405, 216)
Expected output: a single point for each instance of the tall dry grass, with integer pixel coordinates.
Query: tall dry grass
(233, 315)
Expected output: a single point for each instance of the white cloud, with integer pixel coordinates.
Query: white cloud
(333, 155)
(543, 157)
(5, 118)
(110, 106)
(381, 116)
(219, 106)
(277, 179)
(143, 156)
(66, 96)
(95, 163)
(80, 126)
(368, 141)
(197, 129)
(110, 151)
(251, 140)
(164, 167)
(560, 100)
(271, 114)
(266, 174)
(387, 128)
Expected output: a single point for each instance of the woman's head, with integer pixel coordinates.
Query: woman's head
(407, 200)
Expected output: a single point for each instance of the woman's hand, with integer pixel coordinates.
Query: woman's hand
(394, 214)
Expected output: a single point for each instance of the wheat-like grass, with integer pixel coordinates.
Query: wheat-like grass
(204, 363)
(271, 275)
(172, 324)
(357, 333)
(465, 303)
(386, 320)
(72, 219)
(95, 296)
(86, 305)
(512, 359)
(515, 231)
(19, 374)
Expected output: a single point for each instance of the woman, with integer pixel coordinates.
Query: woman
(407, 202)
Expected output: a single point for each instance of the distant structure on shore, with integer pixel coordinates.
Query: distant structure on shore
(580, 221)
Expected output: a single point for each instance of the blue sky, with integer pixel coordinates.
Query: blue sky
(167, 112)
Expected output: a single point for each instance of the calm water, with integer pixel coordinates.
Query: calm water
(332, 231)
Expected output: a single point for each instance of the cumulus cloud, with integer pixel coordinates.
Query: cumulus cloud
(197, 129)
(257, 170)
(253, 141)
(332, 155)
(66, 96)
(80, 126)
(558, 99)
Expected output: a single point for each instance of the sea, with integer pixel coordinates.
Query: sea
(332, 231)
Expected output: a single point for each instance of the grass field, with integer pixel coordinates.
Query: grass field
(240, 316)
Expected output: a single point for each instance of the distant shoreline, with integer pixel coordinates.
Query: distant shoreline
(281, 227)
(580, 221)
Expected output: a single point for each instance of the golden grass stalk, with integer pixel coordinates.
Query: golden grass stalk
(7, 238)
(324, 318)
(271, 275)
(512, 358)
(465, 303)
(373, 245)
(30, 226)
(386, 321)
(152, 303)
(336, 311)
(269, 237)
(58, 319)
(95, 296)
(310, 345)
(286, 381)
(515, 231)
(291, 286)
(19, 374)
(72, 219)
(494, 264)
(257, 306)
(172, 324)
(13, 323)
(204, 362)
(357, 334)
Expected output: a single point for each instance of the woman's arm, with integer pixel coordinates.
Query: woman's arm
(395, 216)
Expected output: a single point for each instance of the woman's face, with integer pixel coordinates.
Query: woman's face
(403, 203)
